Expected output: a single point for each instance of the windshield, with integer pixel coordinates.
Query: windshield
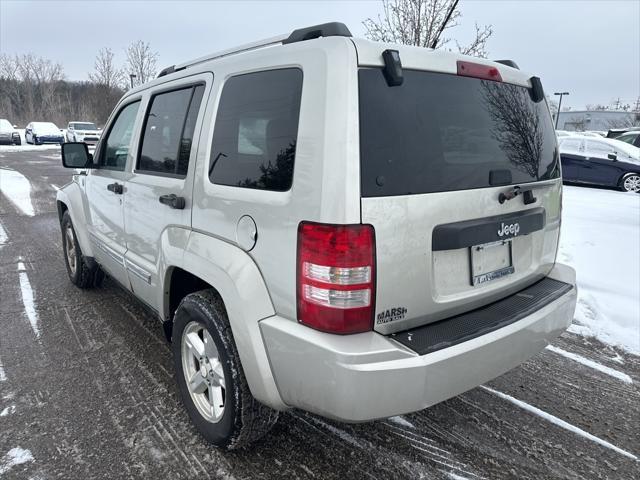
(84, 126)
(45, 128)
(5, 125)
(439, 132)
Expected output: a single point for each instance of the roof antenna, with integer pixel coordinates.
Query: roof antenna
(444, 24)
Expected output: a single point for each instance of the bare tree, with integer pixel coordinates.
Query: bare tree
(105, 71)
(141, 62)
(420, 23)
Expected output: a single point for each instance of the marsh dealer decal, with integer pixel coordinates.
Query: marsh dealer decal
(391, 315)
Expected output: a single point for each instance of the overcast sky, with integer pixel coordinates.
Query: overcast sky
(589, 48)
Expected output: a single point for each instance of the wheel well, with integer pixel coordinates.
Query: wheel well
(61, 209)
(180, 283)
(625, 175)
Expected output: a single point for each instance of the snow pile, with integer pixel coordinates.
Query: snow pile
(17, 189)
(15, 456)
(601, 240)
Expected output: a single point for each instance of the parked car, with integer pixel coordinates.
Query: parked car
(38, 133)
(632, 138)
(604, 162)
(616, 132)
(86, 132)
(347, 237)
(8, 133)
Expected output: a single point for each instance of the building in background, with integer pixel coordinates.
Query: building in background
(601, 120)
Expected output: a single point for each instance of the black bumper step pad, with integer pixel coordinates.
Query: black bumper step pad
(451, 331)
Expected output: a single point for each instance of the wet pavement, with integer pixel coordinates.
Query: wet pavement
(87, 389)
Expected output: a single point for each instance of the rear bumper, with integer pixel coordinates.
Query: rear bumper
(366, 376)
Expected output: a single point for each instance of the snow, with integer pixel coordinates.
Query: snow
(591, 364)
(3, 236)
(3, 375)
(600, 239)
(402, 422)
(15, 456)
(8, 411)
(557, 421)
(17, 189)
(27, 300)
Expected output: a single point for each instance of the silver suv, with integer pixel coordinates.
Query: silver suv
(351, 228)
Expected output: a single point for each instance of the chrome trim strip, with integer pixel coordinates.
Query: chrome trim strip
(141, 273)
(108, 250)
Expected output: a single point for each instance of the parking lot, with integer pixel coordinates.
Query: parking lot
(87, 388)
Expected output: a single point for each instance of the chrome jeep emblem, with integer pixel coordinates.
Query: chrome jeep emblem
(510, 229)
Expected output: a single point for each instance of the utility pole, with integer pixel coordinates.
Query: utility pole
(132, 76)
(561, 94)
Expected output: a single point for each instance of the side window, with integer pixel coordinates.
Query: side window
(168, 131)
(598, 149)
(118, 141)
(256, 129)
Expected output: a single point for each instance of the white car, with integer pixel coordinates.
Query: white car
(86, 132)
(329, 224)
(8, 133)
(38, 133)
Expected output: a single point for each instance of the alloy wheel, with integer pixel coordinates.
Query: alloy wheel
(632, 183)
(203, 371)
(70, 249)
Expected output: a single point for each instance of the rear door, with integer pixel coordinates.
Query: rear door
(157, 211)
(437, 152)
(598, 168)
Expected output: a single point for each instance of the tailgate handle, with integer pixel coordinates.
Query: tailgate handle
(173, 201)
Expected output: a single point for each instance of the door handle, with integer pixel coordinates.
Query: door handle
(115, 188)
(173, 201)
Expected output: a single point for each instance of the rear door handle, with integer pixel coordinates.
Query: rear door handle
(115, 188)
(173, 201)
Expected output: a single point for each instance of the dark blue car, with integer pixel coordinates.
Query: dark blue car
(604, 162)
(38, 133)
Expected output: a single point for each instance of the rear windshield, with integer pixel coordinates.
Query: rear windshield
(439, 132)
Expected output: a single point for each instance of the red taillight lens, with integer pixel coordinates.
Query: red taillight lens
(477, 70)
(336, 277)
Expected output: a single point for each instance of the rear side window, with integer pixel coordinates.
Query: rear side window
(439, 132)
(118, 142)
(168, 131)
(254, 141)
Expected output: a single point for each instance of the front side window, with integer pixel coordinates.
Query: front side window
(168, 131)
(118, 142)
(256, 130)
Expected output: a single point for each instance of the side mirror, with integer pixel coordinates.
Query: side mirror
(76, 155)
(612, 156)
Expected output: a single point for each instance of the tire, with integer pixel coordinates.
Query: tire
(35, 140)
(630, 182)
(241, 419)
(81, 273)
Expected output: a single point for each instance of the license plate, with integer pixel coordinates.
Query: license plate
(491, 261)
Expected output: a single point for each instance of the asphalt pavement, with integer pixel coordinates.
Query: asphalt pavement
(87, 390)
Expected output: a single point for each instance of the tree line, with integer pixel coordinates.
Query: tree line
(33, 88)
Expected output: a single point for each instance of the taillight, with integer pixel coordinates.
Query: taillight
(336, 277)
(478, 70)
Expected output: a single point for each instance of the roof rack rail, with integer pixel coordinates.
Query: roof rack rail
(332, 29)
(508, 63)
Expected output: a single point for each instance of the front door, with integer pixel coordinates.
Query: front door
(106, 193)
(157, 213)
